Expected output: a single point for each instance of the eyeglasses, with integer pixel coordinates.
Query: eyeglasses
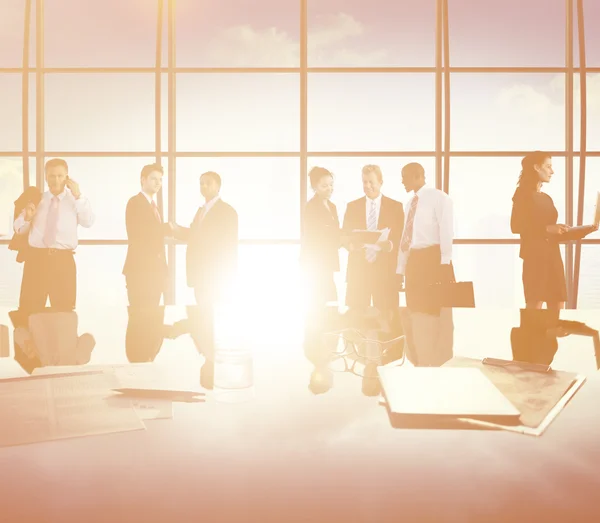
(351, 351)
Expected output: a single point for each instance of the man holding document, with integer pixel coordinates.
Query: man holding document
(372, 230)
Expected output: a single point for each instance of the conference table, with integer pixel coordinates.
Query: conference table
(282, 450)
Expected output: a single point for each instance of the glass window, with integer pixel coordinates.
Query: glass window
(269, 275)
(592, 188)
(102, 112)
(496, 273)
(353, 33)
(591, 12)
(593, 112)
(111, 33)
(238, 33)
(507, 112)
(12, 16)
(265, 192)
(479, 36)
(482, 191)
(347, 174)
(238, 112)
(589, 278)
(371, 112)
(100, 281)
(109, 183)
(10, 109)
(11, 186)
(10, 278)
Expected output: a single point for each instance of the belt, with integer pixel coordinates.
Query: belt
(52, 252)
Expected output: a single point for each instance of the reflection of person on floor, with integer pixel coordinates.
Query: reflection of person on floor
(50, 270)
(429, 337)
(51, 339)
(145, 333)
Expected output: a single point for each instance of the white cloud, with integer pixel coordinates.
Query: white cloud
(330, 42)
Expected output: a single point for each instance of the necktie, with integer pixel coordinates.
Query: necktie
(371, 253)
(155, 209)
(408, 228)
(51, 223)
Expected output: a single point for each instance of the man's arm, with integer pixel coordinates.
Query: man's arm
(21, 225)
(85, 215)
(398, 228)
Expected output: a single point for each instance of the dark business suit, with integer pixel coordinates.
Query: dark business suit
(319, 250)
(212, 251)
(145, 266)
(377, 279)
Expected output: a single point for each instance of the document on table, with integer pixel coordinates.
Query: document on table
(46, 408)
(134, 375)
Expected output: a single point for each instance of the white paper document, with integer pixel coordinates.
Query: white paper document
(46, 408)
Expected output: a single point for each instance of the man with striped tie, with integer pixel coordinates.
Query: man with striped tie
(49, 270)
(371, 274)
(425, 255)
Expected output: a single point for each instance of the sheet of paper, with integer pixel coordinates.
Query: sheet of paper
(146, 408)
(46, 408)
(385, 233)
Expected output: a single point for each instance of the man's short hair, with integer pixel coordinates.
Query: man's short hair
(147, 169)
(55, 162)
(213, 176)
(372, 168)
(414, 169)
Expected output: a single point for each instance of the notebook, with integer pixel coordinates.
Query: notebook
(449, 392)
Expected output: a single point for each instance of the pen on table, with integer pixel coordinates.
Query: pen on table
(537, 367)
(173, 395)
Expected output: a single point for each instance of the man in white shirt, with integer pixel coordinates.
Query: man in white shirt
(49, 269)
(425, 254)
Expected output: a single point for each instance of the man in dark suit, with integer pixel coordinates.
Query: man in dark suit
(145, 267)
(212, 240)
(371, 270)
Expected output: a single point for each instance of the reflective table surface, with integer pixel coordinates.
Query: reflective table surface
(289, 434)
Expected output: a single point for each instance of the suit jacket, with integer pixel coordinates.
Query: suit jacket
(319, 250)
(212, 250)
(391, 215)
(20, 242)
(145, 239)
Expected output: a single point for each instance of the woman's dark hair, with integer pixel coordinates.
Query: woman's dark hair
(529, 177)
(316, 174)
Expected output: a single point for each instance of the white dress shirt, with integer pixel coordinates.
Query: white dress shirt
(433, 224)
(377, 207)
(148, 197)
(71, 213)
(208, 206)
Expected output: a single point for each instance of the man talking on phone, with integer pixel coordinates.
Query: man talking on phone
(49, 269)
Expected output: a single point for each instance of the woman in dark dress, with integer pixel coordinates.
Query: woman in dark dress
(321, 238)
(535, 217)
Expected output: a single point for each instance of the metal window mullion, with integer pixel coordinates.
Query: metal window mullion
(569, 146)
(583, 141)
(303, 109)
(438, 93)
(170, 297)
(39, 94)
